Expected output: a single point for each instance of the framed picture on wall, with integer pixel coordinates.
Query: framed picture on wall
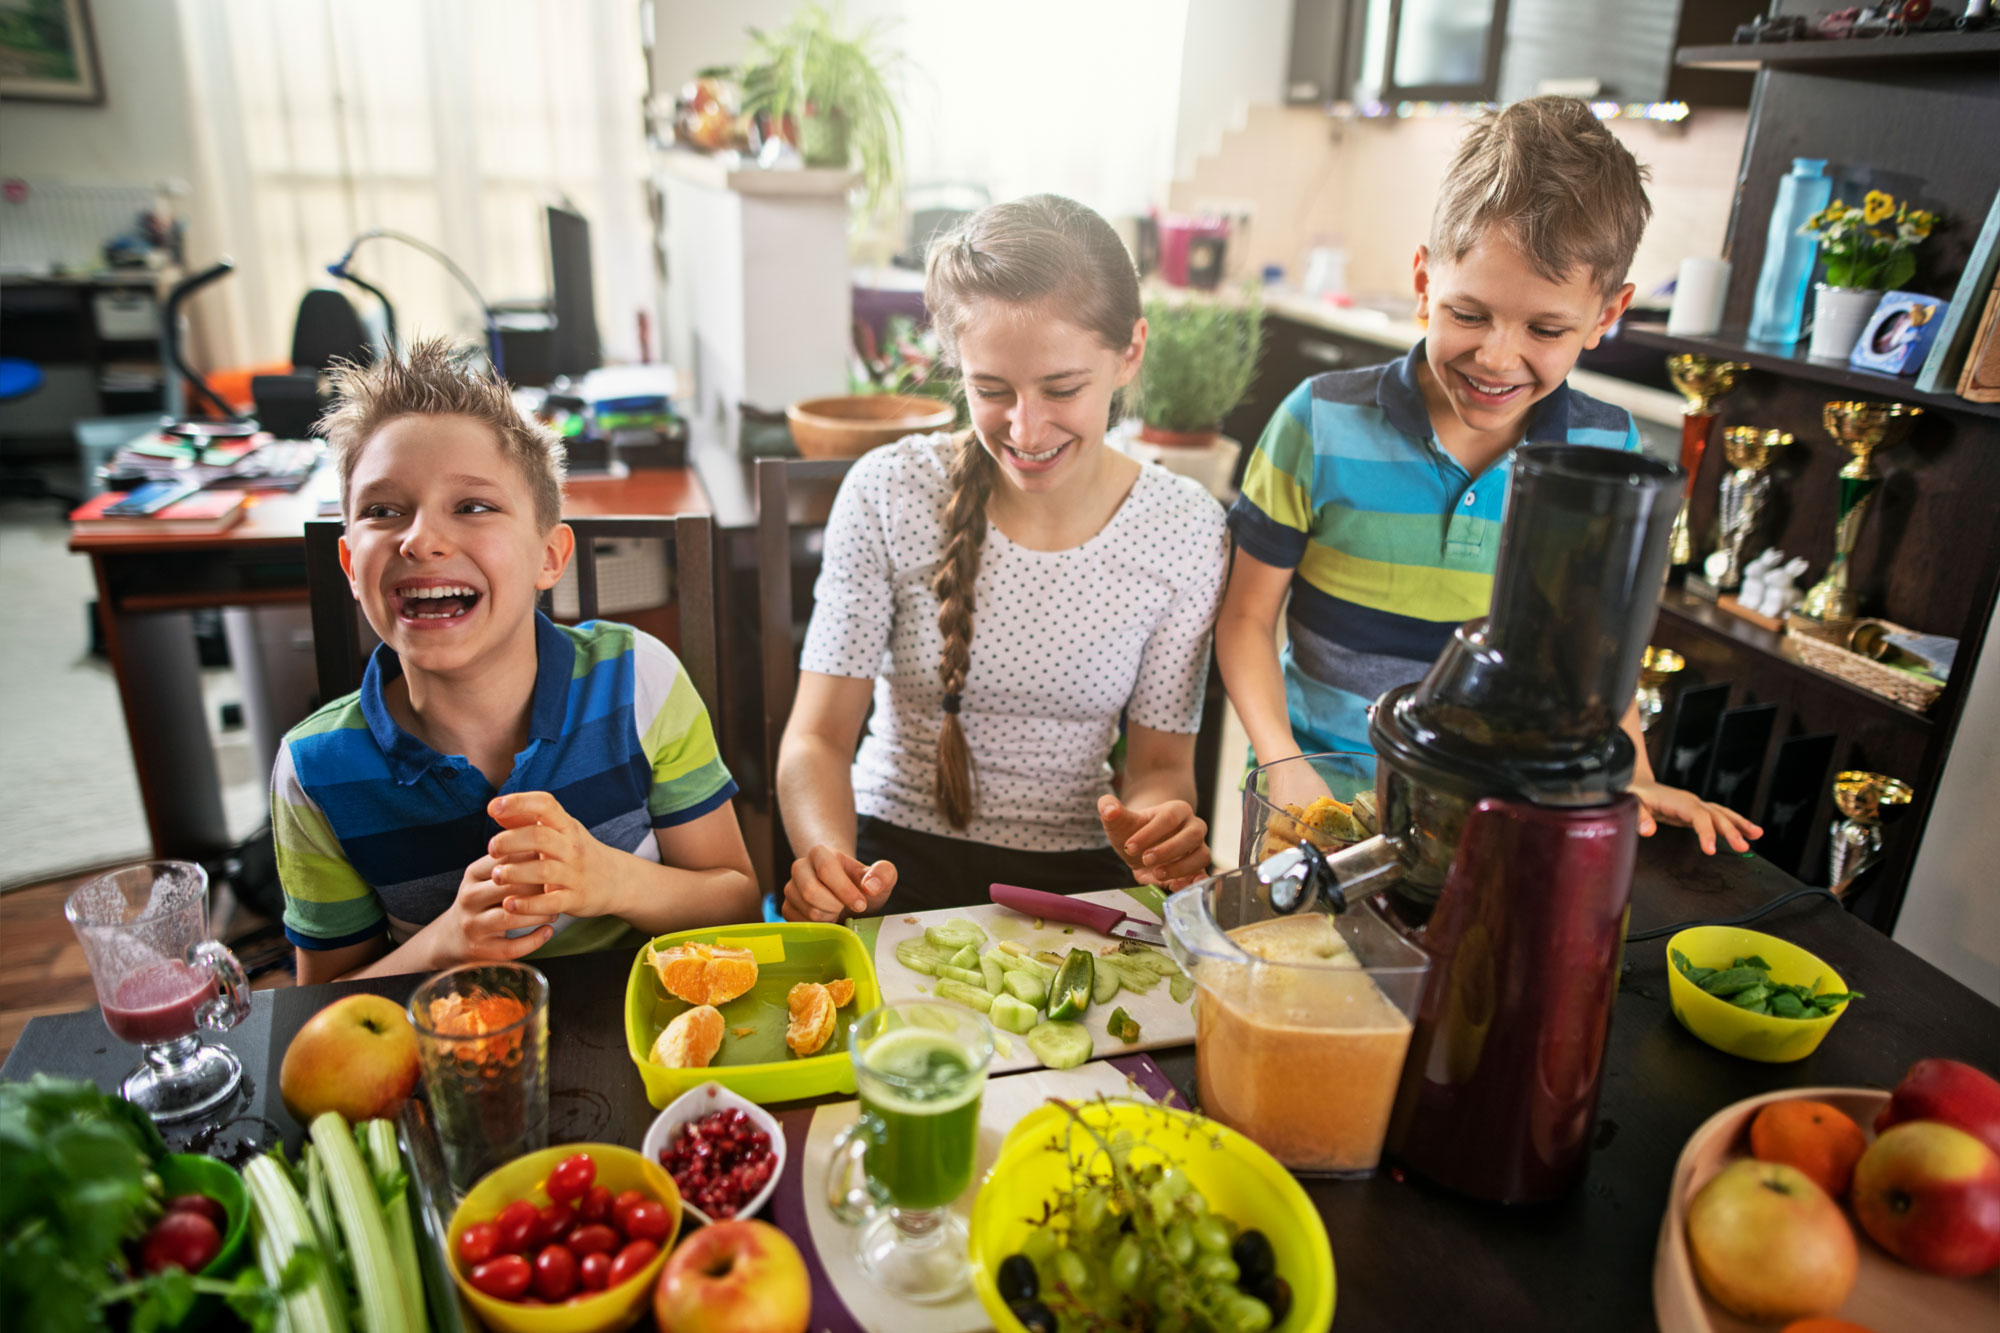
(48, 52)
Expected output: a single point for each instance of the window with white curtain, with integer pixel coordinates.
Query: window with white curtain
(453, 120)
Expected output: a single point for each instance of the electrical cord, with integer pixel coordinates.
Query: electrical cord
(339, 270)
(1640, 936)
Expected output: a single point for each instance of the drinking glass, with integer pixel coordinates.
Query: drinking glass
(483, 1038)
(144, 931)
(919, 1068)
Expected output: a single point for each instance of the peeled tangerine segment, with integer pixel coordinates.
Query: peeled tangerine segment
(842, 991)
(812, 1018)
(691, 1040)
(705, 973)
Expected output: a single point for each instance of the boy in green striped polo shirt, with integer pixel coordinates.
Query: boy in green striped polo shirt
(500, 785)
(1374, 498)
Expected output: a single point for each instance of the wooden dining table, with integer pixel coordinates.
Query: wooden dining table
(1408, 1254)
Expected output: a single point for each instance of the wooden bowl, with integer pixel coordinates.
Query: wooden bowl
(850, 425)
(1888, 1296)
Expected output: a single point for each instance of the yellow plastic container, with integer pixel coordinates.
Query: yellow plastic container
(756, 1064)
(1240, 1181)
(618, 1168)
(1738, 1031)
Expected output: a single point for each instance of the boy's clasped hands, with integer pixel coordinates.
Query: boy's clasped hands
(541, 865)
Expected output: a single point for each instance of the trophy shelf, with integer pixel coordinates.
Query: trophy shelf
(1790, 359)
(1853, 53)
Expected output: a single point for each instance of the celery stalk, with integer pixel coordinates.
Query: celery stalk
(359, 1211)
(392, 1185)
(280, 1229)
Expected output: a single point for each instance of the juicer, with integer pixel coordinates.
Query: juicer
(1507, 837)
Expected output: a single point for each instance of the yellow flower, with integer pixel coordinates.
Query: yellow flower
(1921, 222)
(1876, 207)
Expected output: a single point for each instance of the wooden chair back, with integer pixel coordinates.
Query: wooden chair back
(689, 540)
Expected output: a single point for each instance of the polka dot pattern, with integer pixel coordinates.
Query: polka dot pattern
(1062, 641)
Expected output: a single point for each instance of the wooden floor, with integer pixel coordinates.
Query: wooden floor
(42, 970)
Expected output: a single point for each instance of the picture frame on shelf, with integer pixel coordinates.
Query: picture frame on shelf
(1980, 380)
(48, 53)
(1898, 336)
(1968, 302)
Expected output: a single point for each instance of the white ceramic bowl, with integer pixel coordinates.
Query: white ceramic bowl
(705, 1100)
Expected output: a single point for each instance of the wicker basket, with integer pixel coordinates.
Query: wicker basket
(1816, 645)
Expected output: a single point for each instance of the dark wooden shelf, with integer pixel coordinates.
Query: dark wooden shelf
(1790, 359)
(1850, 53)
(1713, 620)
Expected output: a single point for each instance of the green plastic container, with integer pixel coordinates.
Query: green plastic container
(190, 1173)
(758, 1065)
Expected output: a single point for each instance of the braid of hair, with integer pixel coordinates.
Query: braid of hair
(965, 534)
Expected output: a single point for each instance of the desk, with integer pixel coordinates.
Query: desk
(1408, 1255)
(147, 584)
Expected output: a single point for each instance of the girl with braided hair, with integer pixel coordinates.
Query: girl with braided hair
(1003, 596)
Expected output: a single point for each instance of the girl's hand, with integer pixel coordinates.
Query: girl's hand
(1164, 844)
(1671, 805)
(827, 884)
(474, 928)
(549, 859)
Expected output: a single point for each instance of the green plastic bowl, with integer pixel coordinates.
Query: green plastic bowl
(190, 1173)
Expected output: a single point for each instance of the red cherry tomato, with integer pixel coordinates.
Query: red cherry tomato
(211, 1209)
(647, 1221)
(478, 1243)
(505, 1277)
(180, 1240)
(553, 1223)
(595, 1205)
(593, 1271)
(571, 1178)
(595, 1238)
(623, 1204)
(555, 1272)
(519, 1222)
(632, 1261)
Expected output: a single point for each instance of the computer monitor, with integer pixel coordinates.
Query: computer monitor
(572, 298)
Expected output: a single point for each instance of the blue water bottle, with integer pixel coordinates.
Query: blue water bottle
(1788, 256)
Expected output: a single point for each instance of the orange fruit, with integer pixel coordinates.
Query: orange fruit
(704, 973)
(691, 1040)
(842, 991)
(812, 1018)
(1824, 1324)
(1818, 1139)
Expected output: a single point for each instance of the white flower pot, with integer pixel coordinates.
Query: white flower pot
(1839, 315)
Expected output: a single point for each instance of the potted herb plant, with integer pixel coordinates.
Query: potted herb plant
(1201, 355)
(832, 91)
(1867, 252)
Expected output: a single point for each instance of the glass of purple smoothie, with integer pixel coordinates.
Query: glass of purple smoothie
(160, 980)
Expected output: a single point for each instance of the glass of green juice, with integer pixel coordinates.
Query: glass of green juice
(919, 1067)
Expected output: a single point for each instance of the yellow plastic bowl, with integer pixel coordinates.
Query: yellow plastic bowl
(1738, 1031)
(1239, 1179)
(618, 1169)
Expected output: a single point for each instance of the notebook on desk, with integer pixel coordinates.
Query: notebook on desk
(201, 514)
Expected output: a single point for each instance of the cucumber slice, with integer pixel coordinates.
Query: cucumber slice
(965, 956)
(1069, 993)
(1027, 988)
(1060, 1045)
(969, 976)
(955, 934)
(1011, 1014)
(1103, 985)
(1048, 956)
(1014, 962)
(913, 955)
(959, 993)
(1180, 987)
(989, 967)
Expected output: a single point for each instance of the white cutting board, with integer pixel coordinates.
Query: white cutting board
(1161, 1021)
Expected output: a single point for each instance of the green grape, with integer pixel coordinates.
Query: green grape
(1092, 1210)
(1180, 1244)
(1072, 1272)
(1246, 1314)
(1211, 1234)
(1128, 1262)
(1169, 1297)
(1217, 1268)
(1194, 1204)
(1175, 1183)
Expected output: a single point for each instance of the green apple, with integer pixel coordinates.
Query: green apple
(1929, 1193)
(734, 1277)
(1769, 1244)
(357, 1056)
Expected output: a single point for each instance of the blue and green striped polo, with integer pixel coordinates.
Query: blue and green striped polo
(1391, 540)
(374, 828)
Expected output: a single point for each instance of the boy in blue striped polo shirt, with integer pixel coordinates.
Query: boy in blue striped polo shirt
(1374, 498)
(500, 786)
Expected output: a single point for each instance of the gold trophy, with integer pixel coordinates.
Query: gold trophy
(1701, 381)
(1866, 801)
(1744, 492)
(1656, 668)
(1861, 428)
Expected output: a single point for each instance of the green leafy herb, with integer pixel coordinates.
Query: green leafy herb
(1746, 983)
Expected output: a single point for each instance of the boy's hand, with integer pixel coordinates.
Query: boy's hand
(474, 928)
(1670, 805)
(827, 884)
(549, 860)
(1164, 844)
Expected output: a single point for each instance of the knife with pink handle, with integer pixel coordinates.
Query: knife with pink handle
(1060, 907)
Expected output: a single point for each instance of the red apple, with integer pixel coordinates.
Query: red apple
(1929, 1193)
(1769, 1244)
(357, 1056)
(1949, 1091)
(734, 1277)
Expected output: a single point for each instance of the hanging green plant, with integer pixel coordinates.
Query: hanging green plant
(832, 93)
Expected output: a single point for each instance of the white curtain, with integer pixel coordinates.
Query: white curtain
(453, 120)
